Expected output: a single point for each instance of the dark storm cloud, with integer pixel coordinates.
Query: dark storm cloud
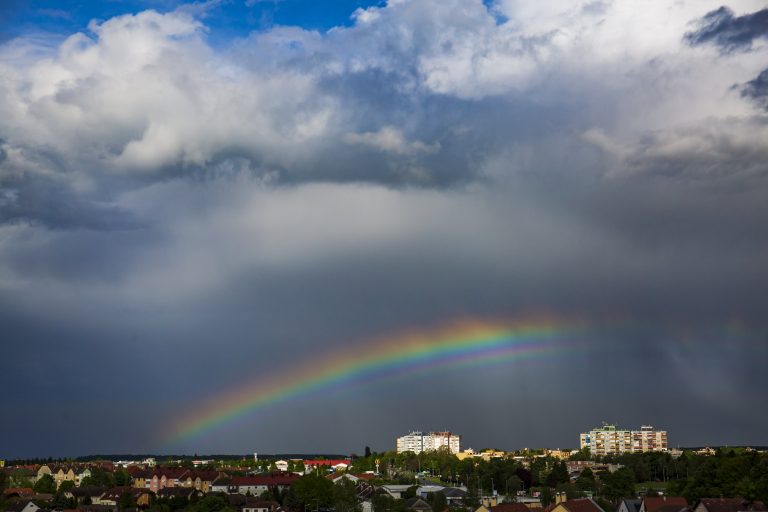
(757, 90)
(190, 219)
(730, 33)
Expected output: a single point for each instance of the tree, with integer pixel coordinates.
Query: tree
(546, 496)
(311, 490)
(558, 475)
(619, 484)
(45, 485)
(586, 481)
(210, 504)
(367, 452)
(345, 496)
(126, 501)
(439, 502)
(122, 478)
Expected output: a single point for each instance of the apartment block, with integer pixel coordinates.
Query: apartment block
(609, 439)
(418, 442)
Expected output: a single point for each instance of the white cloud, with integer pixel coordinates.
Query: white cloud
(391, 139)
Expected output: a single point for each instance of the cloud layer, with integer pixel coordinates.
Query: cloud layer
(199, 213)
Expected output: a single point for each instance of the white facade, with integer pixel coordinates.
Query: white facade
(609, 439)
(418, 442)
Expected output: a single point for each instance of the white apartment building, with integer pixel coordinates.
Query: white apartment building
(418, 442)
(608, 439)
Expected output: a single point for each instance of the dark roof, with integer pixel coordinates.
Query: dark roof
(176, 492)
(416, 503)
(632, 505)
(283, 479)
(731, 505)
(582, 505)
(21, 491)
(509, 507)
(172, 473)
(454, 492)
(17, 506)
(87, 490)
(115, 493)
(655, 503)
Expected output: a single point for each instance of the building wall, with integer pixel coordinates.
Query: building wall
(609, 439)
(418, 442)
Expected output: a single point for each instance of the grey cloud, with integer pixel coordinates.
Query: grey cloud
(729, 32)
(196, 217)
(757, 90)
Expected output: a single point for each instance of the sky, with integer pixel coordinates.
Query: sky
(200, 199)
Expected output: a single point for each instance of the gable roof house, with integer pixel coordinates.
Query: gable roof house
(663, 504)
(729, 505)
(22, 506)
(417, 504)
(113, 496)
(165, 477)
(577, 505)
(256, 485)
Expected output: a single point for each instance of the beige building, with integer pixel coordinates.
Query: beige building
(418, 442)
(609, 439)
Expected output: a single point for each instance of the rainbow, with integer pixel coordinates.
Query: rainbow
(468, 341)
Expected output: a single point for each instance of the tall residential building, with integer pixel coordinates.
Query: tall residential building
(418, 442)
(608, 439)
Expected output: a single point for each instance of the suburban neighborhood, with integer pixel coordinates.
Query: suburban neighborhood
(613, 470)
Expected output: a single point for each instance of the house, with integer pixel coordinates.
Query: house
(178, 492)
(337, 477)
(255, 485)
(395, 490)
(199, 480)
(85, 493)
(21, 492)
(141, 477)
(63, 474)
(165, 477)
(221, 484)
(335, 465)
(577, 505)
(417, 504)
(629, 506)
(504, 507)
(728, 505)
(454, 496)
(425, 490)
(22, 506)
(663, 504)
(113, 496)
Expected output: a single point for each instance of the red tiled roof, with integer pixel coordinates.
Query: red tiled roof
(731, 505)
(264, 480)
(21, 491)
(581, 505)
(169, 473)
(509, 507)
(654, 504)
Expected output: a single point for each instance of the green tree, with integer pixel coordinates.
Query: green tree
(546, 496)
(211, 504)
(439, 502)
(345, 496)
(45, 485)
(122, 478)
(586, 481)
(619, 484)
(558, 475)
(312, 491)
